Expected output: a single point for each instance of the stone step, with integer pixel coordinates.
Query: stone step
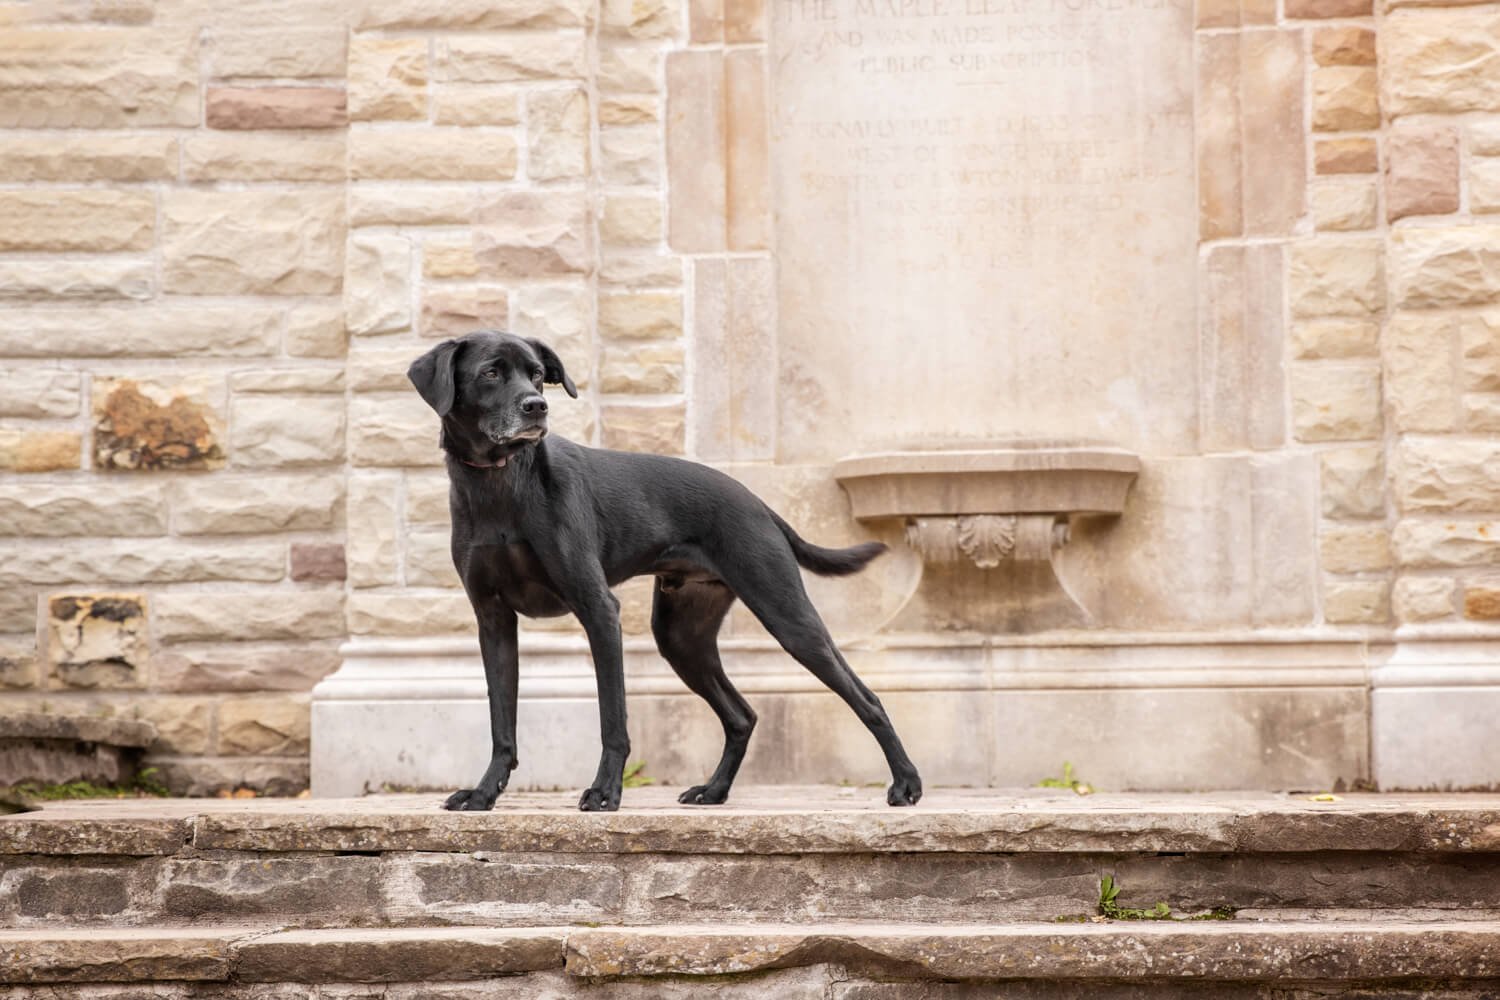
(783, 856)
(1462, 959)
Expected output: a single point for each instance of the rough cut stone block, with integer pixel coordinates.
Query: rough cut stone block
(474, 14)
(455, 312)
(640, 270)
(286, 430)
(1353, 482)
(278, 53)
(253, 242)
(134, 956)
(410, 614)
(39, 392)
(40, 451)
(644, 369)
(70, 157)
(706, 21)
(1442, 60)
(696, 151)
(265, 726)
(432, 154)
(206, 776)
(1344, 204)
(296, 666)
(96, 508)
(374, 370)
(631, 220)
(443, 259)
(261, 614)
(101, 78)
(275, 107)
(1482, 601)
(102, 278)
(629, 109)
(1328, 8)
(1343, 45)
(533, 234)
(427, 498)
(657, 430)
(1484, 184)
(1481, 414)
(182, 724)
(316, 330)
(557, 131)
(92, 220)
(1419, 366)
(373, 527)
(258, 504)
(128, 561)
(1484, 138)
(1421, 172)
(509, 58)
(631, 154)
(288, 380)
(97, 640)
(387, 78)
(745, 20)
(1335, 338)
(629, 69)
(1449, 266)
(397, 431)
(1336, 403)
(1327, 278)
(640, 315)
(1480, 337)
(108, 332)
(1422, 544)
(561, 316)
(317, 563)
(1345, 99)
(377, 289)
(410, 205)
(640, 19)
(212, 156)
(169, 423)
(1354, 549)
(429, 560)
(1423, 598)
(478, 105)
(1345, 156)
(1357, 602)
(1446, 474)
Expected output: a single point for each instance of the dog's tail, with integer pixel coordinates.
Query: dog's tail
(828, 562)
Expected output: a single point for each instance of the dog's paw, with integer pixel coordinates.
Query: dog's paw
(904, 792)
(470, 800)
(599, 800)
(703, 795)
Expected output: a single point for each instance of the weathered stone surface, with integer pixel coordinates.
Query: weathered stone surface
(1336, 278)
(97, 640)
(212, 776)
(273, 430)
(118, 956)
(401, 430)
(313, 563)
(252, 242)
(1423, 598)
(1345, 156)
(474, 14)
(1480, 337)
(1449, 266)
(432, 154)
(257, 504)
(373, 529)
(101, 78)
(40, 451)
(631, 154)
(95, 508)
(1344, 204)
(1345, 99)
(696, 151)
(1343, 45)
(1353, 482)
(1422, 544)
(377, 290)
(476, 105)
(387, 78)
(629, 109)
(1336, 403)
(373, 369)
(66, 279)
(108, 332)
(245, 667)
(731, 397)
(1419, 367)
(71, 157)
(316, 330)
(443, 259)
(87, 728)
(276, 53)
(638, 270)
(1481, 414)
(1421, 172)
(397, 954)
(657, 430)
(1482, 601)
(1357, 602)
(427, 498)
(648, 368)
(455, 312)
(1354, 549)
(182, 724)
(94, 220)
(1318, 339)
(640, 315)
(631, 69)
(332, 887)
(1444, 474)
(18, 661)
(262, 614)
(560, 316)
(1484, 184)
(509, 58)
(1441, 60)
(172, 423)
(410, 614)
(276, 726)
(39, 392)
(557, 134)
(533, 234)
(275, 107)
(631, 220)
(162, 561)
(641, 18)
(409, 205)
(303, 380)
(214, 156)
(429, 560)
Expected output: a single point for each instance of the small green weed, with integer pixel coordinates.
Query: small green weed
(1068, 780)
(636, 776)
(1110, 909)
(144, 785)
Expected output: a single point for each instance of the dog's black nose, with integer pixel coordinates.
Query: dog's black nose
(534, 406)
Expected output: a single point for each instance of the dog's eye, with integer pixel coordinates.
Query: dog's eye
(489, 373)
(536, 375)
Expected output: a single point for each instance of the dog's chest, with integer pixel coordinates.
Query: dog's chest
(513, 571)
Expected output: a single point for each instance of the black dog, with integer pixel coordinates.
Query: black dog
(543, 527)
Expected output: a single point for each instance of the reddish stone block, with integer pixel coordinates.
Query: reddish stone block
(276, 107)
(318, 562)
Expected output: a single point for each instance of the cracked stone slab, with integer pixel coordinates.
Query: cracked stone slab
(107, 956)
(389, 954)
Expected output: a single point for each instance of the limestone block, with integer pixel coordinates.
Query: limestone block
(40, 451)
(313, 563)
(560, 316)
(1424, 544)
(246, 667)
(1336, 278)
(732, 399)
(1357, 602)
(211, 156)
(642, 369)
(260, 614)
(427, 498)
(102, 278)
(415, 614)
(53, 510)
(706, 21)
(631, 220)
(1345, 156)
(1353, 482)
(1328, 8)
(97, 640)
(1336, 403)
(253, 242)
(557, 134)
(1421, 172)
(572, 419)
(387, 78)
(94, 220)
(453, 312)
(696, 151)
(1420, 375)
(278, 53)
(429, 560)
(658, 430)
(443, 259)
(431, 154)
(534, 234)
(1484, 138)
(1484, 184)
(1433, 267)
(1361, 549)
(18, 613)
(288, 380)
(629, 109)
(1480, 340)
(377, 283)
(204, 776)
(18, 666)
(476, 105)
(1345, 99)
(640, 315)
(1482, 600)
(399, 430)
(1220, 135)
(107, 332)
(1423, 598)
(1335, 338)
(629, 69)
(641, 18)
(316, 330)
(222, 505)
(101, 78)
(1481, 414)
(373, 525)
(376, 369)
(410, 205)
(1440, 60)
(1344, 204)
(745, 20)
(636, 270)
(172, 422)
(39, 392)
(479, 15)
(631, 154)
(1343, 45)
(748, 156)
(182, 725)
(71, 157)
(274, 430)
(1447, 474)
(275, 107)
(1240, 347)
(509, 58)
(162, 561)
(278, 726)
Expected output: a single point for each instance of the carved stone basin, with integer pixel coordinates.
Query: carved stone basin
(970, 512)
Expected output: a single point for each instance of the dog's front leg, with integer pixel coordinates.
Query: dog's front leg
(599, 612)
(498, 647)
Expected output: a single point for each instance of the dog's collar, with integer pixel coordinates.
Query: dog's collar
(498, 465)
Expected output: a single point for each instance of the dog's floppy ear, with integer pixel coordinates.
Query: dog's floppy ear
(432, 374)
(553, 371)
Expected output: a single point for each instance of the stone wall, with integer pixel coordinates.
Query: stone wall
(226, 229)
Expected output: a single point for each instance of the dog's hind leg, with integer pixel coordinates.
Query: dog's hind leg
(685, 618)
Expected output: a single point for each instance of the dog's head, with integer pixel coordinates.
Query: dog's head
(487, 387)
